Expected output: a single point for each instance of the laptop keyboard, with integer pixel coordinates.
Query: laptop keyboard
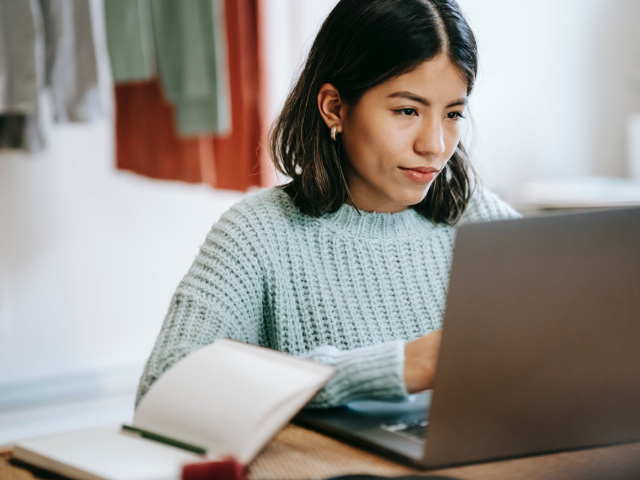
(413, 430)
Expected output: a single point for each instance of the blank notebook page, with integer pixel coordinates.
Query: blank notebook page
(106, 453)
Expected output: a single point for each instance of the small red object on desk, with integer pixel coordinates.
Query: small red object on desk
(227, 469)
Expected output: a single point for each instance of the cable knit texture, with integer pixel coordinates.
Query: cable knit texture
(347, 289)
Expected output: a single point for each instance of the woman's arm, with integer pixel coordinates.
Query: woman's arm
(368, 373)
(389, 371)
(220, 297)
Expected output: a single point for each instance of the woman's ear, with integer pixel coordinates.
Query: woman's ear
(332, 109)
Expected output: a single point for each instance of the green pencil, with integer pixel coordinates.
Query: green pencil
(165, 440)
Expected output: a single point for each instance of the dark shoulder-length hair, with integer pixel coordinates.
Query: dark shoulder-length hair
(361, 44)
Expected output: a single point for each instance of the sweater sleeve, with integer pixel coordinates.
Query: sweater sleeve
(221, 296)
(372, 373)
(485, 205)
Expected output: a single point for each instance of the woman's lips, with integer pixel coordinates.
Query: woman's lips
(422, 176)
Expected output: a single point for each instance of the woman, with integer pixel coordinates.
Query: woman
(348, 263)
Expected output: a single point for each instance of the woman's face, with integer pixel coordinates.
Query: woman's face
(412, 121)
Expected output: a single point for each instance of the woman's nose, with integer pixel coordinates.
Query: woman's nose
(430, 140)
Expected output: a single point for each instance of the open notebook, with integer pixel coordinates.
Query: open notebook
(228, 398)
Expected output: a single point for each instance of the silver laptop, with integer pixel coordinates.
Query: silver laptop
(540, 349)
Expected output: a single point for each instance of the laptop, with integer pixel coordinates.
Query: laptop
(540, 348)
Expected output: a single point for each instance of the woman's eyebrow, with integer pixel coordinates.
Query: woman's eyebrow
(424, 101)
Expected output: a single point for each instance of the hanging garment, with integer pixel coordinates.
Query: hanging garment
(146, 140)
(48, 43)
(268, 173)
(22, 74)
(105, 80)
(19, 131)
(191, 47)
(71, 63)
(146, 144)
(237, 155)
(21, 56)
(130, 40)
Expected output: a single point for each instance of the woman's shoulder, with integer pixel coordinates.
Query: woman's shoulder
(272, 202)
(237, 248)
(261, 211)
(246, 231)
(485, 205)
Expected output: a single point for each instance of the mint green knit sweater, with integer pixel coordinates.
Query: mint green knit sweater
(346, 289)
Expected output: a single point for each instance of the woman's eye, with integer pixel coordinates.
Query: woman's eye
(456, 115)
(406, 112)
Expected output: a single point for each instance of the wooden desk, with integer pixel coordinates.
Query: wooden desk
(299, 454)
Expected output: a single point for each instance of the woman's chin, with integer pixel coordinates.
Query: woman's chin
(414, 197)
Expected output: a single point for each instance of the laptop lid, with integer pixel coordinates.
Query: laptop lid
(541, 341)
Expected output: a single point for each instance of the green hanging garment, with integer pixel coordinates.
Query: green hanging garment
(191, 46)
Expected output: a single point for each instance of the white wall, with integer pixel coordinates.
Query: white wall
(89, 257)
(291, 27)
(556, 88)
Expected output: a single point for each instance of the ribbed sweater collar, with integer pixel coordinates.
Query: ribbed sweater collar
(378, 225)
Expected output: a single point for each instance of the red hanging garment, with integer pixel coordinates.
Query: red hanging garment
(147, 141)
(237, 156)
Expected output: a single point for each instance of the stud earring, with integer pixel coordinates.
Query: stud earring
(334, 130)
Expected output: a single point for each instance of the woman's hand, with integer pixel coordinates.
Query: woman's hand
(420, 358)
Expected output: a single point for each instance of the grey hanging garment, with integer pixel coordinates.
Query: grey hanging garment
(21, 74)
(54, 44)
(71, 63)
